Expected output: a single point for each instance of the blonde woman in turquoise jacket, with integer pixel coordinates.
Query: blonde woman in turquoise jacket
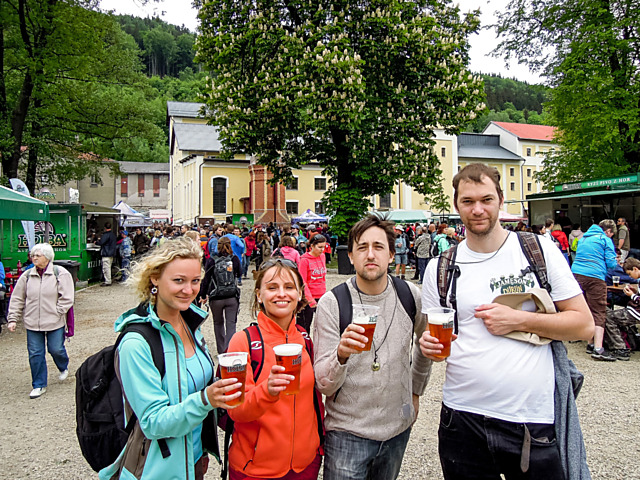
(172, 408)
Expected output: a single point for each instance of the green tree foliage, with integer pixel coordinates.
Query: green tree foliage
(590, 53)
(357, 87)
(70, 85)
(166, 49)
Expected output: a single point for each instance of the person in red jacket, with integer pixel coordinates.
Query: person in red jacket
(276, 435)
(561, 238)
(313, 268)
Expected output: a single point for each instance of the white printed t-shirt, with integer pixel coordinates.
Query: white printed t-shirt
(493, 375)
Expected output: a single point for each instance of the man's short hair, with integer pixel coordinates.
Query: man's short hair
(365, 224)
(622, 219)
(548, 222)
(474, 172)
(608, 224)
(630, 263)
(107, 225)
(230, 228)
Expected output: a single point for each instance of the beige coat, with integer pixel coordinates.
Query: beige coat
(42, 303)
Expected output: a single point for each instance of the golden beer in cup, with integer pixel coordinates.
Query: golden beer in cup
(440, 322)
(289, 356)
(234, 365)
(366, 316)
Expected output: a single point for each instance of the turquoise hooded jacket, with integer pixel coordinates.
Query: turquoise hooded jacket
(595, 254)
(163, 405)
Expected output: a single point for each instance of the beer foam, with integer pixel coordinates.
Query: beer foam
(365, 319)
(288, 349)
(230, 359)
(439, 318)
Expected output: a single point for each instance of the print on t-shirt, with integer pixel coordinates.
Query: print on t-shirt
(512, 284)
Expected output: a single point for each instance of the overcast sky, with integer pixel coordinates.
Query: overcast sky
(178, 12)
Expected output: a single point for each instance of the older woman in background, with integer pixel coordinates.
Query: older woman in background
(41, 298)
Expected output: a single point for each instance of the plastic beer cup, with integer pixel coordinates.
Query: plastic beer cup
(367, 317)
(234, 365)
(289, 356)
(441, 326)
(616, 280)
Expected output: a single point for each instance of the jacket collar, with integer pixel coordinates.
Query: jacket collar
(193, 317)
(272, 327)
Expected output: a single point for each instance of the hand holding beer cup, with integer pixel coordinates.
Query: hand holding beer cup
(289, 357)
(366, 316)
(278, 380)
(219, 393)
(436, 343)
(234, 366)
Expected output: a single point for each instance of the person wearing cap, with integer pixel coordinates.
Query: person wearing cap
(124, 248)
(499, 415)
(295, 233)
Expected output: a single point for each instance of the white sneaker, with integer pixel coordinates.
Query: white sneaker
(37, 392)
(63, 375)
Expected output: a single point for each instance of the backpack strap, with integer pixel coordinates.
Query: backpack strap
(317, 396)
(152, 337)
(343, 296)
(448, 273)
(530, 245)
(406, 297)
(256, 349)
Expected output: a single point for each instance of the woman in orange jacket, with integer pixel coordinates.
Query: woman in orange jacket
(276, 435)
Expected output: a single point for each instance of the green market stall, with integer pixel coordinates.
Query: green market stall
(590, 202)
(72, 231)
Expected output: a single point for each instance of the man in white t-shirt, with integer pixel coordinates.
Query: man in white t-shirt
(497, 414)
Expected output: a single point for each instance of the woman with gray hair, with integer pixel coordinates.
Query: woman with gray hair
(41, 298)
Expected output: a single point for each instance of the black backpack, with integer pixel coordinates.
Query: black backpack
(223, 281)
(100, 415)
(433, 249)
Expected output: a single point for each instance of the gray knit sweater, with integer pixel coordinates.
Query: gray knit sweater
(371, 404)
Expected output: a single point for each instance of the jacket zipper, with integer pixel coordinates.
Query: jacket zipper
(186, 447)
(293, 436)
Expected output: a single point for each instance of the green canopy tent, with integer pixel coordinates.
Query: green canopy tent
(405, 216)
(17, 206)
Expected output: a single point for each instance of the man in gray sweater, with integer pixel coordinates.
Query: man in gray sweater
(372, 396)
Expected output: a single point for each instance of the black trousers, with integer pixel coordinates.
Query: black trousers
(305, 317)
(476, 447)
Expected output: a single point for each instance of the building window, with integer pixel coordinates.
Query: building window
(292, 208)
(124, 189)
(320, 183)
(528, 152)
(529, 187)
(293, 184)
(94, 180)
(219, 195)
(528, 172)
(319, 207)
(443, 152)
(512, 186)
(140, 185)
(385, 201)
(156, 185)
(512, 171)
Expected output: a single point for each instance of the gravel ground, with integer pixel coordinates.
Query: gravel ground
(37, 439)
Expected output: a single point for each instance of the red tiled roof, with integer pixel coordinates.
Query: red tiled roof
(529, 132)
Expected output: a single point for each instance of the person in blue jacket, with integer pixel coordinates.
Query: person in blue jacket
(174, 407)
(594, 257)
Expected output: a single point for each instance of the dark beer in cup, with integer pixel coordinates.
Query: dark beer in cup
(234, 365)
(366, 316)
(289, 356)
(441, 326)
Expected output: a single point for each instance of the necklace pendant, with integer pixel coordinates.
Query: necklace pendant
(375, 366)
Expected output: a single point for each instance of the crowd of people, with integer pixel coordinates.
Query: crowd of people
(508, 406)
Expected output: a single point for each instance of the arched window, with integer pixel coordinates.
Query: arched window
(219, 185)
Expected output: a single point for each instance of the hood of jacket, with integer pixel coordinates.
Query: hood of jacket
(593, 231)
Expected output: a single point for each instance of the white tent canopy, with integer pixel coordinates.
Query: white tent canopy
(132, 218)
(310, 217)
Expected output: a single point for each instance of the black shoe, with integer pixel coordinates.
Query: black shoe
(623, 354)
(105, 284)
(602, 355)
(590, 348)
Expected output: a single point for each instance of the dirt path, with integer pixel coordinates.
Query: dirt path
(37, 439)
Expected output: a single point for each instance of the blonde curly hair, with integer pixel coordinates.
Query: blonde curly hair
(154, 263)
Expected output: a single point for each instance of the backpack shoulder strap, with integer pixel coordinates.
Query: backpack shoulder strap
(530, 245)
(317, 396)
(256, 349)
(343, 296)
(406, 297)
(152, 336)
(447, 275)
